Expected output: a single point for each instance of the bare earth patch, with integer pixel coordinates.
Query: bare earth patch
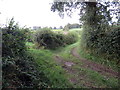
(65, 65)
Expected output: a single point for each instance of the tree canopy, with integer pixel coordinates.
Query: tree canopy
(91, 13)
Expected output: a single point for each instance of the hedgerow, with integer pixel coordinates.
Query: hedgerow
(52, 40)
(102, 42)
(18, 68)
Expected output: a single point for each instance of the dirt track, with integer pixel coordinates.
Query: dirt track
(104, 70)
(67, 66)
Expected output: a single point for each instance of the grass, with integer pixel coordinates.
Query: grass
(95, 79)
(55, 74)
(98, 59)
(29, 44)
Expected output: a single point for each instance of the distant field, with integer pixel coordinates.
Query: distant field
(76, 29)
(59, 30)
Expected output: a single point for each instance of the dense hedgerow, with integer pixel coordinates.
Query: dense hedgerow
(18, 67)
(112, 42)
(48, 39)
(102, 41)
(52, 40)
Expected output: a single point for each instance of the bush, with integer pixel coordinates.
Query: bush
(113, 42)
(13, 42)
(51, 40)
(48, 39)
(71, 38)
(18, 68)
(103, 41)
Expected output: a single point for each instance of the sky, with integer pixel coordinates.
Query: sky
(33, 13)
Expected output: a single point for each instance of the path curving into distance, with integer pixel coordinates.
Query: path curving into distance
(67, 66)
(102, 69)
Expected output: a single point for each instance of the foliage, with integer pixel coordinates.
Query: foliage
(103, 6)
(13, 42)
(28, 34)
(19, 69)
(97, 34)
(104, 42)
(48, 39)
(52, 40)
(71, 38)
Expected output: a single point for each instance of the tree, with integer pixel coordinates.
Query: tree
(88, 10)
(96, 18)
(61, 27)
(54, 28)
(67, 27)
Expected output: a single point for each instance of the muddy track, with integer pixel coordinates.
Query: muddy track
(65, 65)
(104, 70)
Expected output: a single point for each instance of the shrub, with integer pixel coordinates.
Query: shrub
(103, 41)
(18, 68)
(52, 40)
(48, 39)
(13, 42)
(71, 38)
(113, 45)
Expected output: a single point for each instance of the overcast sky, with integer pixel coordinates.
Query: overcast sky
(33, 13)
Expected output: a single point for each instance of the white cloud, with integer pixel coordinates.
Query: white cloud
(33, 13)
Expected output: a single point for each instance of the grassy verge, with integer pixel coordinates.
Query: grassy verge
(54, 73)
(98, 59)
(91, 78)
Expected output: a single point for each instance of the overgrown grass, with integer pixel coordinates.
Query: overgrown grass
(55, 74)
